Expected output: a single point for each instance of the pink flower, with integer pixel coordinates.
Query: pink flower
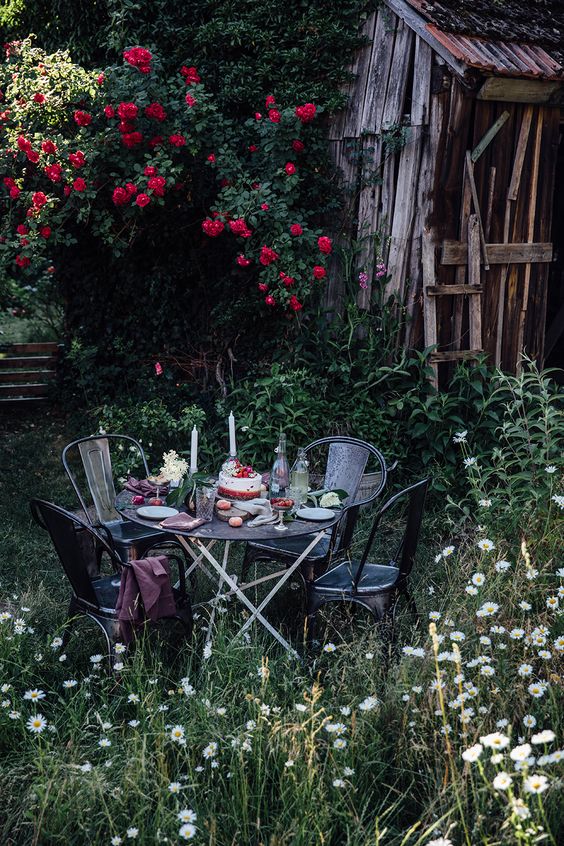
(267, 256)
(263, 287)
(324, 244)
(290, 168)
(158, 368)
(363, 279)
(296, 229)
(211, 158)
(258, 116)
(264, 206)
(100, 79)
(79, 185)
(177, 140)
(142, 200)
(190, 100)
(39, 98)
(242, 261)
(212, 228)
(306, 113)
(319, 272)
(82, 118)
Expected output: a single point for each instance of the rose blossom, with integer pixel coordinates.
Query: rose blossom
(177, 140)
(290, 168)
(139, 58)
(131, 139)
(39, 98)
(22, 261)
(150, 170)
(157, 185)
(100, 79)
(32, 156)
(155, 111)
(211, 158)
(190, 100)
(49, 147)
(127, 111)
(39, 199)
(319, 272)
(142, 200)
(306, 113)
(267, 256)
(263, 287)
(131, 188)
(242, 261)
(325, 245)
(239, 227)
(23, 144)
(22, 229)
(270, 101)
(120, 196)
(295, 304)
(298, 146)
(212, 228)
(190, 75)
(109, 111)
(269, 300)
(77, 159)
(54, 172)
(79, 184)
(296, 229)
(82, 118)
(274, 116)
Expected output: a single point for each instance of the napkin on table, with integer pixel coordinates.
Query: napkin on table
(182, 521)
(260, 508)
(144, 488)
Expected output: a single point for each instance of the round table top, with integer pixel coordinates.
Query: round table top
(220, 530)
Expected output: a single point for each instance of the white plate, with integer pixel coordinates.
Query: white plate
(315, 513)
(156, 512)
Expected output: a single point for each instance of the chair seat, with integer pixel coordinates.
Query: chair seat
(124, 531)
(106, 590)
(375, 578)
(293, 547)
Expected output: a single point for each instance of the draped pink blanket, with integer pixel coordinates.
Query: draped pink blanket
(145, 593)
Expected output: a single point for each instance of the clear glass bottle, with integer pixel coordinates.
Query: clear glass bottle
(280, 473)
(299, 478)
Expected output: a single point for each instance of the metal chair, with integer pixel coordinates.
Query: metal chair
(131, 541)
(346, 462)
(379, 585)
(95, 598)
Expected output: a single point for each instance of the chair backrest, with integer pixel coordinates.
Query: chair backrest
(347, 459)
(66, 531)
(94, 454)
(404, 554)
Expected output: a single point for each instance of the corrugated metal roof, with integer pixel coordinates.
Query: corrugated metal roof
(500, 57)
(496, 56)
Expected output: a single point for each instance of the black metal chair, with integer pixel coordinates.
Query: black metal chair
(92, 454)
(95, 598)
(346, 461)
(375, 585)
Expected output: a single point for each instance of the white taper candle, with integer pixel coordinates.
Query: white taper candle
(232, 444)
(194, 451)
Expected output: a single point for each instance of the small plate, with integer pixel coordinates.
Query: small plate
(315, 513)
(156, 512)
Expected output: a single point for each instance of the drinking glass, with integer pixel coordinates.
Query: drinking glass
(205, 501)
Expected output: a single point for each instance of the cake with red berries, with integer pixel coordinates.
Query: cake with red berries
(237, 481)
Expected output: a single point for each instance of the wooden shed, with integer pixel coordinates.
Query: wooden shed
(451, 150)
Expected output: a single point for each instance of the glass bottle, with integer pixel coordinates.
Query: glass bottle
(280, 473)
(299, 478)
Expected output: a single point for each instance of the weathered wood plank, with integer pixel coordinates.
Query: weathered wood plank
(517, 90)
(452, 290)
(429, 303)
(28, 362)
(455, 355)
(474, 192)
(420, 26)
(475, 310)
(21, 349)
(11, 391)
(421, 93)
(27, 376)
(455, 252)
(489, 136)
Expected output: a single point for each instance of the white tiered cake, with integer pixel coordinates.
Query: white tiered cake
(237, 481)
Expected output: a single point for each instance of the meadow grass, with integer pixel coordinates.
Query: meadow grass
(250, 746)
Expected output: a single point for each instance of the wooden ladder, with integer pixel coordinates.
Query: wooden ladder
(472, 288)
(25, 372)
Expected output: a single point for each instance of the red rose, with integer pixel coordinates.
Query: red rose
(158, 372)
(262, 286)
(274, 116)
(14, 192)
(77, 159)
(253, 148)
(295, 304)
(212, 228)
(264, 206)
(190, 100)
(142, 200)
(45, 232)
(258, 116)
(211, 158)
(306, 113)
(127, 111)
(33, 156)
(23, 144)
(131, 188)
(157, 185)
(79, 185)
(290, 168)
(131, 139)
(296, 229)
(267, 256)
(139, 58)
(156, 141)
(269, 300)
(67, 190)
(150, 170)
(298, 146)
(177, 140)
(54, 172)
(120, 196)
(100, 79)
(288, 281)
(22, 261)
(24, 242)
(109, 111)
(242, 261)
(155, 112)
(39, 98)
(8, 182)
(49, 147)
(319, 272)
(22, 229)
(270, 101)
(239, 227)
(82, 118)
(39, 199)
(324, 244)
(190, 75)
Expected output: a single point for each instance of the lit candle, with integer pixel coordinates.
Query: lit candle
(194, 451)
(232, 446)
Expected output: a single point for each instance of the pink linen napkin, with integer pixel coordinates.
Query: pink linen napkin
(144, 488)
(145, 593)
(182, 521)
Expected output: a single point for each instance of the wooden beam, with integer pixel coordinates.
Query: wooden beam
(452, 290)
(456, 252)
(474, 192)
(517, 90)
(475, 309)
(429, 303)
(455, 355)
(489, 136)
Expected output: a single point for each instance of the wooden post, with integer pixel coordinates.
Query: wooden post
(475, 305)
(429, 303)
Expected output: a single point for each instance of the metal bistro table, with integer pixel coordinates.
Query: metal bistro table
(199, 543)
